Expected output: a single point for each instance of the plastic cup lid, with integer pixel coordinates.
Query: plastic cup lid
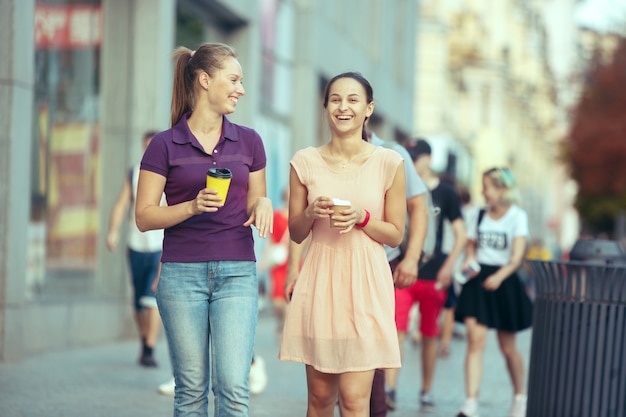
(340, 202)
(220, 173)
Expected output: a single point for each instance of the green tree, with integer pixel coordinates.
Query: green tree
(595, 149)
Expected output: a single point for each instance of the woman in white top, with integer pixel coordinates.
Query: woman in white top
(495, 297)
(144, 255)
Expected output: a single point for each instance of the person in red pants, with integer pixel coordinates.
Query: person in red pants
(404, 264)
(430, 290)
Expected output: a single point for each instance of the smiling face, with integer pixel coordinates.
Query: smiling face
(347, 106)
(225, 86)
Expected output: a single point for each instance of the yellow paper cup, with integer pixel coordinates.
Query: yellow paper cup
(219, 179)
(337, 206)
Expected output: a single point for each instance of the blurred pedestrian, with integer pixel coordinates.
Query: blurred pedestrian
(144, 254)
(435, 275)
(258, 375)
(208, 289)
(403, 264)
(449, 328)
(274, 260)
(495, 297)
(339, 322)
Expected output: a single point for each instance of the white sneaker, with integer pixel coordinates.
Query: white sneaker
(469, 409)
(258, 375)
(518, 409)
(167, 388)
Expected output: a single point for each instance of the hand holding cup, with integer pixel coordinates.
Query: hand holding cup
(212, 197)
(219, 179)
(339, 209)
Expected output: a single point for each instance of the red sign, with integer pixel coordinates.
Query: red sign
(64, 26)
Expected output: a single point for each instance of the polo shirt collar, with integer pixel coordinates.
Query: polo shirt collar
(182, 133)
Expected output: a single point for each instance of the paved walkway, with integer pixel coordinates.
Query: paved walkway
(105, 381)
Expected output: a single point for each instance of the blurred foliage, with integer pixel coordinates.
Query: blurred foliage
(595, 149)
(189, 28)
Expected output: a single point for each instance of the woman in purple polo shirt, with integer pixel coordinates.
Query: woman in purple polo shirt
(207, 293)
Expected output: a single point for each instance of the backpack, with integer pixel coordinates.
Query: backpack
(481, 214)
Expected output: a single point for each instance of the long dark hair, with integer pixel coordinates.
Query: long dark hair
(208, 58)
(369, 91)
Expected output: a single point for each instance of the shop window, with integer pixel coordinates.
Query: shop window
(66, 133)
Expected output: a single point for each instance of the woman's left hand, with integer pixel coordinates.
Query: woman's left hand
(492, 283)
(262, 217)
(348, 218)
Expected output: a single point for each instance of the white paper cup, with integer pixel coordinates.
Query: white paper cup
(338, 205)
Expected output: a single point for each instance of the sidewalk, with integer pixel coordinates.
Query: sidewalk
(105, 381)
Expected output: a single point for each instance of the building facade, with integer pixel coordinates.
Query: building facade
(490, 82)
(80, 89)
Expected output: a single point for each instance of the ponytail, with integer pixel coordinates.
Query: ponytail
(182, 94)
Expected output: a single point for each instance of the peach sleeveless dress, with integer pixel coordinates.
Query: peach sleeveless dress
(341, 315)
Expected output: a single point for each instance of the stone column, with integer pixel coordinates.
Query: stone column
(136, 93)
(16, 101)
(307, 124)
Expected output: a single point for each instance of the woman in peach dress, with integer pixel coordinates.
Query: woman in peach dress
(340, 320)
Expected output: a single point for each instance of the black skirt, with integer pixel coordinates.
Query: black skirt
(508, 308)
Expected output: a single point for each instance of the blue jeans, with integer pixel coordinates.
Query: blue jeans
(209, 312)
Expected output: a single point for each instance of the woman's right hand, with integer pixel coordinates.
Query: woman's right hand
(470, 267)
(206, 201)
(320, 208)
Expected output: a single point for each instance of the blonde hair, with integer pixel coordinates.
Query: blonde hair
(187, 64)
(502, 177)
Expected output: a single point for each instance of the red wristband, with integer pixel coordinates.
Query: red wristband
(365, 221)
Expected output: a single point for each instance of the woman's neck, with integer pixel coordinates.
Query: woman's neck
(498, 210)
(207, 129)
(345, 154)
(346, 147)
(205, 122)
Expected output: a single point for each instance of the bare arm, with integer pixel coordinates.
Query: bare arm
(296, 253)
(406, 273)
(150, 215)
(259, 207)
(300, 222)
(444, 276)
(390, 230)
(418, 225)
(515, 261)
(118, 212)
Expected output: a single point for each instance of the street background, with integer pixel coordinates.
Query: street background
(106, 381)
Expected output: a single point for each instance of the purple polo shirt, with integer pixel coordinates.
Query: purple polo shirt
(177, 155)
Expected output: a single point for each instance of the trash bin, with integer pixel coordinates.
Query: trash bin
(578, 349)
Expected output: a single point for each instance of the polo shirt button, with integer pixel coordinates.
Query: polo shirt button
(214, 150)
(214, 163)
